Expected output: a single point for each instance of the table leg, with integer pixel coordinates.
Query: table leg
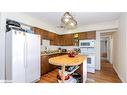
(63, 70)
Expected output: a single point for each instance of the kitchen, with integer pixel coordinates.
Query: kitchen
(39, 54)
(63, 43)
(54, 45)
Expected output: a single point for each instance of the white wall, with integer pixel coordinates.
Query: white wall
(120, 48)
(53, 47)
(2, 50)
(94, 27)
(98, 55)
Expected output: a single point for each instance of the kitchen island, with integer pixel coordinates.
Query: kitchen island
(64, 60)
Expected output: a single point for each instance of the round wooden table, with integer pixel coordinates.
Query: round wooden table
(67, 61)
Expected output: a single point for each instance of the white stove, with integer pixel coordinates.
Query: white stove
(90, 53)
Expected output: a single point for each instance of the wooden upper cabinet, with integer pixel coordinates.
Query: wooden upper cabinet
(87, 35)
(63, 40)
(66, 40)
(51, 36)
(57, 40)
(54, 38)
(36, 30)
(69, 39)
(91, 35)
(43, 33)
(82, 35)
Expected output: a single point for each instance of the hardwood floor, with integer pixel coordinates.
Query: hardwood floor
(105, 75)
(50, 77)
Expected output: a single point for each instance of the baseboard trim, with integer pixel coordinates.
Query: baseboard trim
(121, 78)
(2, 81)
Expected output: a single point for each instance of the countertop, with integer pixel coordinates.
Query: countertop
(64, 60)
(53, 53)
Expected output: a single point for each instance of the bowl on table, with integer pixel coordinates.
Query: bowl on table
(72, 53)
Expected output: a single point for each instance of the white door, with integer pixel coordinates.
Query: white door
(32, 57)
(18, 57)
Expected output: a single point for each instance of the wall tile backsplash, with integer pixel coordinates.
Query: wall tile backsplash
(52, 47)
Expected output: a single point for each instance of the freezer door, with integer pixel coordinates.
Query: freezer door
(32, 57)
(18, 57)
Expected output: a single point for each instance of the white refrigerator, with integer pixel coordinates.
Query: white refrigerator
(22, 57)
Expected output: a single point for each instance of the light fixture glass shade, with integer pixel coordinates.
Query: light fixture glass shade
(68, 21)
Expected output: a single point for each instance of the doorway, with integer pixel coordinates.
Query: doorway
(106, 46)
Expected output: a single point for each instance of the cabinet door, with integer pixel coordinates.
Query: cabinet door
(44, 34)
(51, 36)
(32, 57)
(67, 40)
(52, 67)
(70, 39)
(36, 31)
(56, 39)
(91, 35)
(61, 37)
(60, 40)
(82, 35)
(44, 64)
(87, 35)
(53, 39)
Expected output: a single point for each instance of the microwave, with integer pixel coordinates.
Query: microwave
(86, 43)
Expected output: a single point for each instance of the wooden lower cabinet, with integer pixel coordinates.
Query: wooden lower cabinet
(45, 65)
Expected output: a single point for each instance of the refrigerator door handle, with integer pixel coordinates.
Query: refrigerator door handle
(24, 55)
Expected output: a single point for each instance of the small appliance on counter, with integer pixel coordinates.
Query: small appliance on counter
(64, 50)
(59, 49)
(77, 50)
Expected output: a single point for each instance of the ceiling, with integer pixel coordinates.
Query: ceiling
(83, 18)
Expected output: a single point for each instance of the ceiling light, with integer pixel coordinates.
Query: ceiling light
(67, 15)
(72, 24)
(68, 21)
